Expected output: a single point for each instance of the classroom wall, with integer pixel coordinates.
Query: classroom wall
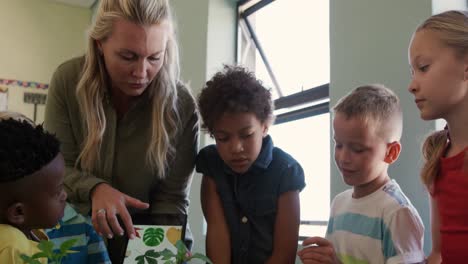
(37, 36)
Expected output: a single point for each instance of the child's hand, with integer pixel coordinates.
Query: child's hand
(318, 250)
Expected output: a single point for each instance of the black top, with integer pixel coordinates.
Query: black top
(250, 199)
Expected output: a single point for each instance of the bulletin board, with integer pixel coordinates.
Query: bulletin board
(25, 97)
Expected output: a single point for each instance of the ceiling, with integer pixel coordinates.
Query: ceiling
(79, 3)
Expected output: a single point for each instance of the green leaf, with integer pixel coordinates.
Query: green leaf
(39, 255)
(46, 250)
(202, 257)
(181, 248)
(29, 260)
(46, 246)
(140, 259)
(152, 253)
(169, 262)
(65, 246)
(151, 260)
(153, 236)
(167, 254)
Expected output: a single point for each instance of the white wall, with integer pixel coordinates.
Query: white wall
(369, 41)
(439, 6)
(37, 36)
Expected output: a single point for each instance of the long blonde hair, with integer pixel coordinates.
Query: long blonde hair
(452, 27)
(162, 90)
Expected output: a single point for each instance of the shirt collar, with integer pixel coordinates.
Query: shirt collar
(39, 235)
(69, 213)
(266, 154)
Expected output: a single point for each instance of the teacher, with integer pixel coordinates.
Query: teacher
(128, 126)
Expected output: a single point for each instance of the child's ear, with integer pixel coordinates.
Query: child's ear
(393, 152)
(15, 214)
(265, 129)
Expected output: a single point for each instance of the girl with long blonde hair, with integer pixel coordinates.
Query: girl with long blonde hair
(438, 55)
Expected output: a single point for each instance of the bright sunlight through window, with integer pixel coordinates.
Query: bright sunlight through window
(294, 37)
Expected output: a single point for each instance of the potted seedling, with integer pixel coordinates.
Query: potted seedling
(46, 250)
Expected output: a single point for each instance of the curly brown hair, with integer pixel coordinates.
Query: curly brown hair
(234, 90)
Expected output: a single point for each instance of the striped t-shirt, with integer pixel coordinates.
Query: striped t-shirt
(382, 227)
(89, 247)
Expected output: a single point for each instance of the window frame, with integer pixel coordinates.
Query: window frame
(310, 102)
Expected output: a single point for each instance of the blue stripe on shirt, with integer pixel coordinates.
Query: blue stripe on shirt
(89, 247)
(365, 226)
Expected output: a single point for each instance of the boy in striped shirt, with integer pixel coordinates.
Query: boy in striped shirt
(374, 222)
(89, 248)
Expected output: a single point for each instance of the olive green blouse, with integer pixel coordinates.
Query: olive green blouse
(122, 158)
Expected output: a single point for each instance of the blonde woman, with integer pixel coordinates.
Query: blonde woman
(128, 127)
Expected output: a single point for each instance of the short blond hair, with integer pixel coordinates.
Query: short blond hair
(376, 103)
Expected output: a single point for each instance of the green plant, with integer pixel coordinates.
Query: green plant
(46, 250)
(168, 257)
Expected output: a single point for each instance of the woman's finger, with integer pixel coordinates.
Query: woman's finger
(114, 222)
(127, 222)
(135, 203)
(103, 227)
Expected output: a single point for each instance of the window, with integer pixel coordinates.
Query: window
(286, 44)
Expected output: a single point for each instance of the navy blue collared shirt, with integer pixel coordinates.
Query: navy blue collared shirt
(250, 200)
